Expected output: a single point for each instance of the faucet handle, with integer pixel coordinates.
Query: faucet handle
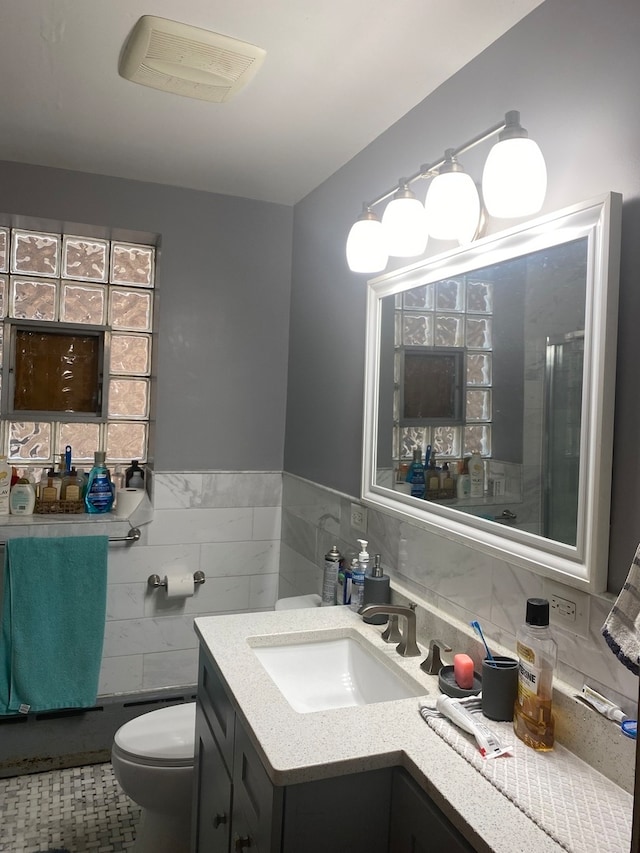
(391, 633)
(432, 664)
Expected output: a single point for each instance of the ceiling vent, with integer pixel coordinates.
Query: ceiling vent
(187, 60)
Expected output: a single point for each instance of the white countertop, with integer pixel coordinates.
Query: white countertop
(299, 747)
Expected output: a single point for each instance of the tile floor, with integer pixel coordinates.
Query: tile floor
(81, 809)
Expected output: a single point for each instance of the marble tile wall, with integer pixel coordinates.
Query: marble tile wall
(224, 524)
(461, 582)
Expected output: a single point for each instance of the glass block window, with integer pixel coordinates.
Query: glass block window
(454, 313)
(67, 282)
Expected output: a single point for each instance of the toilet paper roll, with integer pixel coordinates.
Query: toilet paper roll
(127, 501)
(180, 586)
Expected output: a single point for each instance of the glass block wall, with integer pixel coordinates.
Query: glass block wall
(450, 313)
(62, 278)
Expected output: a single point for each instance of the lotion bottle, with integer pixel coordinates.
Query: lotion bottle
(537, 652)
(476, 476)
(22, 499)
(5, 485)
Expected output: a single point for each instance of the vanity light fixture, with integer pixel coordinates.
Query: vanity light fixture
(404, 223)
(452, 203)
(514, 184)
(366, 243)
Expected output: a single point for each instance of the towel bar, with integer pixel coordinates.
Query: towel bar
(156, 581)
(132, 536)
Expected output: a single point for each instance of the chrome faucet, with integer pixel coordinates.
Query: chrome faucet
(407, 647)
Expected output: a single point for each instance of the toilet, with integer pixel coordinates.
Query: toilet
(153, 757)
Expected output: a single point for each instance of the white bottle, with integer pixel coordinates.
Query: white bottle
(5, 485)
(22, 499)
(358, 575)
(476, 476)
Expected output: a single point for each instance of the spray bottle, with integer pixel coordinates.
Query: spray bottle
(330, 576)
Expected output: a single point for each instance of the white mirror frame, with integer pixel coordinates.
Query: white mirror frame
(584, 565)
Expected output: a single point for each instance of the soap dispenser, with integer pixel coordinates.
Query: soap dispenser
(376, 591)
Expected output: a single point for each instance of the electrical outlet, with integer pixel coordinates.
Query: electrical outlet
(358, 518)
(568, 608)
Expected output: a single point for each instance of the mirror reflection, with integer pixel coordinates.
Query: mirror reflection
(495, 363)
(480, 384)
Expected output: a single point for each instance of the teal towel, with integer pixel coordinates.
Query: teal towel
(53, 617)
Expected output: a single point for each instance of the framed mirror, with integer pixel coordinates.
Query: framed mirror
(502, 353)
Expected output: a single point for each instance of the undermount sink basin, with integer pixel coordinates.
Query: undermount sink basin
(335, 673)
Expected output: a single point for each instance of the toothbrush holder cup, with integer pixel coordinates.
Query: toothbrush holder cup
(499, 687)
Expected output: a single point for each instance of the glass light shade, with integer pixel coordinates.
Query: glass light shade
(452, 207)
(366, 250)
(405, 225)
(514, 179)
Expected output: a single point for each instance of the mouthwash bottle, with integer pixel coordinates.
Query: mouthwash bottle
(99, 494)
(415, 475)
(537, 652)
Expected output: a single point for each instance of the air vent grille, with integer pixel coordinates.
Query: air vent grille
(187, 60)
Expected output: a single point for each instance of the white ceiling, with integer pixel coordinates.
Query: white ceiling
(336, 75)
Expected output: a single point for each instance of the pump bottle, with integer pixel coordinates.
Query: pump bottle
(359, 571)
(537, 652)
(376, 591)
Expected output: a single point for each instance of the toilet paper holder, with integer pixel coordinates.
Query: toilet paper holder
(155, 581)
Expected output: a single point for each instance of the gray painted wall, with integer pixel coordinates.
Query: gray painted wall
(224, 275)
(572, 69)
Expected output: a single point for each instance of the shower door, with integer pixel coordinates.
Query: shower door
(561, 461)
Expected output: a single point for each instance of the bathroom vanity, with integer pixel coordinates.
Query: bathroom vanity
(372, 778)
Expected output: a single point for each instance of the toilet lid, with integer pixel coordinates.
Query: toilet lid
(166, 734)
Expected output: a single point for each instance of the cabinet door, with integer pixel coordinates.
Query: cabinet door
(213, 792)
(257, 804)
(417, 824)
(213, 697)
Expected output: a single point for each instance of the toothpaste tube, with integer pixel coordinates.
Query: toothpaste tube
(487, 740)
(605, 706)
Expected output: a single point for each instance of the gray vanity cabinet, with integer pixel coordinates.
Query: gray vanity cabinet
(237, 809)
(417, 824)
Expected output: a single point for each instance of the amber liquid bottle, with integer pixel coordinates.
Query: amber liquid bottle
(537, 653)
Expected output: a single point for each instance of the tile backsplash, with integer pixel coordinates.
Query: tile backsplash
(461, 582)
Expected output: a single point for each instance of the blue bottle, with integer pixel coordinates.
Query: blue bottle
(99, 495)
(415, 475)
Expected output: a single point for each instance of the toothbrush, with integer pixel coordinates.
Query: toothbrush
(476, 627)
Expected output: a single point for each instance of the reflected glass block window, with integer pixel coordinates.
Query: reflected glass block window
(450, 295)
(451, 313)
(61, 283)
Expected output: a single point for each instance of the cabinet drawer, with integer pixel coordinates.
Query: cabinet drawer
(217, 708)
(213, 792)
(257, 804)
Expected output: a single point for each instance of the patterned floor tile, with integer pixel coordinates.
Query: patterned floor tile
(79, 809)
